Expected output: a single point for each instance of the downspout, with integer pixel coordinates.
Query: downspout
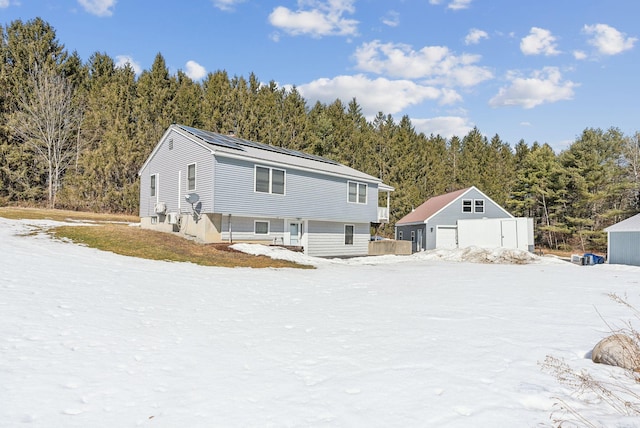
(230, 232)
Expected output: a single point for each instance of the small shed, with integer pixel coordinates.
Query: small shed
(463, 218)
(623, 242)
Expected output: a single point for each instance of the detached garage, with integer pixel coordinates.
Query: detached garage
(623, 242)
(464, 218)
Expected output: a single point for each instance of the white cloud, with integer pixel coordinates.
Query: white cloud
(459, 4)
(373, 95)
(435, 64)
(539, 41)
(226, 5)
(122, 60)
(392, 19)
(195, 71)
(474, 36)
(321, 18)
(445, 126)
(579, 55)
(454, 4)
(544, 86)
(4, 4)
(98, 7)
(607, 40)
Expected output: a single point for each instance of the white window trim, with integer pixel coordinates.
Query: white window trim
(255, 222)
(195, 177)
(470, 206)
(476, 206)
(155, 185)
(271, 169)
(353, 236)
(366, 196)
(400, 235)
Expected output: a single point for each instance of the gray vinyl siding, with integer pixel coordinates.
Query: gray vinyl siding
(624, 248)
(406, 234)
(242, 229)
(308, 195)
(167, 163)
(326, 239)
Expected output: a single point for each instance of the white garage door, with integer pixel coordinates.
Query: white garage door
(446, 237)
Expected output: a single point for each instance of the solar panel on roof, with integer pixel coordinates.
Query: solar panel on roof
(284, 151)
(211, 138)
(236, 143)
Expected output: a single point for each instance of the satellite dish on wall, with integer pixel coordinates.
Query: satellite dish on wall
(192, 198)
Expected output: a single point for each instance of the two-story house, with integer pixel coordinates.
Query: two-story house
(220, 188)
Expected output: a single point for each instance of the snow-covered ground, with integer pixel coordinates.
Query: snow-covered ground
(94, 339)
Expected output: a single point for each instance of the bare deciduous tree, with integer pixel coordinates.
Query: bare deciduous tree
(47, 122)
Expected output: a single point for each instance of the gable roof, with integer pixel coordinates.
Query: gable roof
(431, 207)
(434, 205)
(239, 148)
(632, 224)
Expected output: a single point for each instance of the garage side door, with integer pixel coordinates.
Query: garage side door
(509, 234)
(446, 237)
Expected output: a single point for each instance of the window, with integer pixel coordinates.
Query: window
(478, 205)
(348, 234)
(269, 180)
(191, 177)
(357, 192)
(466, 205)
(413, 236)
(277, 181)
(261, 227)
(152, 190)
(399, 235)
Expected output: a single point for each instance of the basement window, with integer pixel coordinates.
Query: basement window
(261, 227)
(348, 234)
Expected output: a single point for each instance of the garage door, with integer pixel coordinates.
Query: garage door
(446, 237)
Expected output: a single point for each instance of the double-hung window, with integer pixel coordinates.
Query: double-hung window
(191, 177)
(467, 205)
(269, 180)
(356, 192)
(153, 185)
(348, 234)
(478, 206)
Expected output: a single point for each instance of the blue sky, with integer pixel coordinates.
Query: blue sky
(538, 70)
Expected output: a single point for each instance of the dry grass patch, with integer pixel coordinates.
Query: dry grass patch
(110, 234)
(17, 213)
(149, 244)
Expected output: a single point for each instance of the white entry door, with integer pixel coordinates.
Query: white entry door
(295, 233)
(419, 235)
(446, 237)
(509, 231)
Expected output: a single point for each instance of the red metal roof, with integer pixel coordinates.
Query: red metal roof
(431, 206)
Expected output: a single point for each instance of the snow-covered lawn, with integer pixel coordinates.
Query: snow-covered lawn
(93, 339)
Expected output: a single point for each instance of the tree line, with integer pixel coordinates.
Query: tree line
(74, 135)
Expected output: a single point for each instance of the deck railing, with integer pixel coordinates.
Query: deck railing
(383, 214)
